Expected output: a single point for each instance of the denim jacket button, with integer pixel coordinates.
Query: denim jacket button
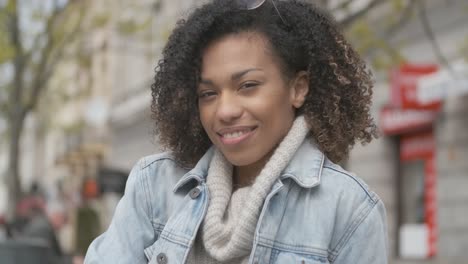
(194, 193)
(162, 258)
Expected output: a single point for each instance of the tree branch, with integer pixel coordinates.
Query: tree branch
(4, 108)
(342, 5)
(404, 18)
(50, 55)
(358, 14)
(16, 94)
(389, 32)
(431, 36)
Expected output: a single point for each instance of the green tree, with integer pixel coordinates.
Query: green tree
(373, 27)
(35, 38)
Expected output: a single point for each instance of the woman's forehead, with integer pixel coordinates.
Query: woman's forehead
(235, 52)
(253, 38)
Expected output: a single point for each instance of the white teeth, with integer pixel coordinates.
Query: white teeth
(234, 134)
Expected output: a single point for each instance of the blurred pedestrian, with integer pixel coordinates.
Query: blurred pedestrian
(87, 219)
(3, 229)
(256, 100)
(39, 229)
(33, 225)
(32, 201)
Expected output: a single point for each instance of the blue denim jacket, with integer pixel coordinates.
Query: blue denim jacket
(315, 213)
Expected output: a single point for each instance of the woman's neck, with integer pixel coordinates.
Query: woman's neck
(245, 175)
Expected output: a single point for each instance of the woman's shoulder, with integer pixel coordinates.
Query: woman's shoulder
(324, 216)
(347, 183)
(155, 177)
(159, 161)
(342, 195)
(161, 170)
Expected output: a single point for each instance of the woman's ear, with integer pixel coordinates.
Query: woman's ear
(299, 89)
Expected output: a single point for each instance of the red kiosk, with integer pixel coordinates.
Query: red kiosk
(411, 123)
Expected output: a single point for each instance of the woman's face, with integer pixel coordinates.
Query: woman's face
(246, 105)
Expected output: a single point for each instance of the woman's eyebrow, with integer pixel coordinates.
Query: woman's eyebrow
(234, 76)
(206, 82)
(238, 75)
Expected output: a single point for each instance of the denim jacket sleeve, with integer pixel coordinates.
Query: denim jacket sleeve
(130, 231)
(368, 241)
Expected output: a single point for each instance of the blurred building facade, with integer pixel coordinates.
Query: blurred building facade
(112, 128)
(398, 181)
(419, 164)
(91, 142)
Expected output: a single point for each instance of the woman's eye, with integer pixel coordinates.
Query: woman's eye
(206, 94)
(248, 85)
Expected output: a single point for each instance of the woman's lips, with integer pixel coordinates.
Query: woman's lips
(236, 137)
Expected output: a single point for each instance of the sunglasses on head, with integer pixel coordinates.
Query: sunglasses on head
(254, 4)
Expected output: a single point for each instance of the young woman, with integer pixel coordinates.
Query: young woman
(256, 101)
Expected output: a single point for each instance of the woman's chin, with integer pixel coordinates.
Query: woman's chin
(238, 162)
(244, 158)
(239, 159)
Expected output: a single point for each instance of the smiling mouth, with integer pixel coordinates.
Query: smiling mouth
(234, 137)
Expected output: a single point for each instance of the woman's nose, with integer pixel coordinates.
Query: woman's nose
(229, 108)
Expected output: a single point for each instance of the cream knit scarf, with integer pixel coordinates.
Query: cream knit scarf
(229, 225)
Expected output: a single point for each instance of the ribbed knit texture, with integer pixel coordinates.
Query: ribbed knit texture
(230, 222)
(199, 254)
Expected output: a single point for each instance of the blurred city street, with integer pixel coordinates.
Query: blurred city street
(75, 116)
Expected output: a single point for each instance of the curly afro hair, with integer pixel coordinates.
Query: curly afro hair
(303, 38)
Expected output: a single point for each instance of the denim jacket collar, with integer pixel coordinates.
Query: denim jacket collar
(305, 167)
(199, 172)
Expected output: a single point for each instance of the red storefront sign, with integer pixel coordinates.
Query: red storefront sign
(399, 121)
(404, 80)
(412, 118)
(422, 146)
(418, 146)
(444, 83)
(430, 206)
